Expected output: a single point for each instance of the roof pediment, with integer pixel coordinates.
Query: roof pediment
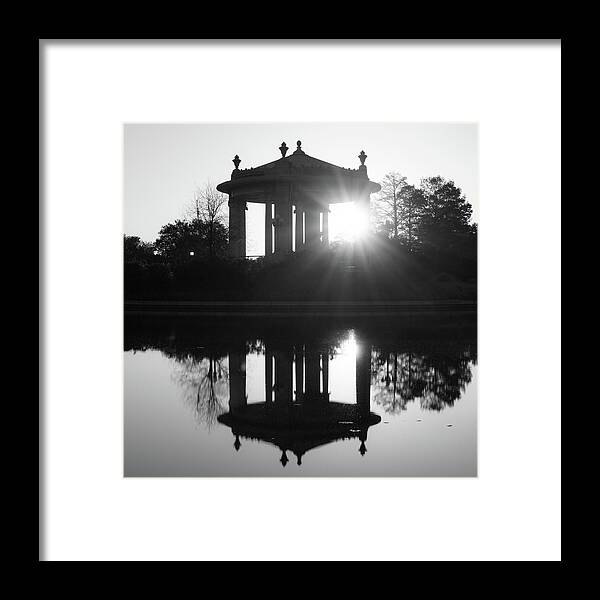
(299, 166)
(298, 162)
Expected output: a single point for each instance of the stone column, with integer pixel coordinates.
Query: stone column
(325, 233)
(313, 226)
(363, 378)
(325, 360)
(283, 226)
(268, 377)
(237, 228)
(268, 228)
(299, 227)
(299, 357)
(283, 379)
(237, 380)
(313, 375)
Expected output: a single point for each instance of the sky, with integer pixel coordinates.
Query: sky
(164, 163)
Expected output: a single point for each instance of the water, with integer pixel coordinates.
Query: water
(301, 396)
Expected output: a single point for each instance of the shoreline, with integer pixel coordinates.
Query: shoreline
(297, 308)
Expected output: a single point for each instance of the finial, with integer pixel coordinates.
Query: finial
(283, 148)
(362, 157)
(237, 443)
(362, 449)
(299, 148)
(284, 459)
(236, 161)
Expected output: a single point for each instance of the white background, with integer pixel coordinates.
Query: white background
(511, 511)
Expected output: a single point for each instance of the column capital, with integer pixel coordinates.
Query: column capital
(237, 202)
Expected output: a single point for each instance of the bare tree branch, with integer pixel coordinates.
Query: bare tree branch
(208, 206)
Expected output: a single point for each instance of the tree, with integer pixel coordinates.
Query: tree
(388, 204)
(208, 206)
(445, 220)
(412, 202)
(137, 251)
(205, 382)
(398, 209)
(436, 377)
(179, 241)
(175, 241)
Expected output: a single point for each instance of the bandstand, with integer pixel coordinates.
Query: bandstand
(297, 191)
(297, 414)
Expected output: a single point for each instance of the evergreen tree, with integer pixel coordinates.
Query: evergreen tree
(444, 220)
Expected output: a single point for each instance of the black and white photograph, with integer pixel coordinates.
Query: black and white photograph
(297, 310)
(285, 281)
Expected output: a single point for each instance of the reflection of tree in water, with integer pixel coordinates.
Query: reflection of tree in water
(205, 384)
(437, 380)
(426, 359)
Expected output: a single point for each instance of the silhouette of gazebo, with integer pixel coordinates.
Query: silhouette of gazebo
(297, 184)
(301, 419)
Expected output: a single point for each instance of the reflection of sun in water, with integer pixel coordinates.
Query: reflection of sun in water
(349, 347)
(345, 222)
(342, 371)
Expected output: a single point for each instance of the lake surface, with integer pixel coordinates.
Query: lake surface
(301, 396)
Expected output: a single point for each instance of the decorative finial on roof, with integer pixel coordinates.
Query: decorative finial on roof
(362, 157)
(362, 449)
(237, 443)
(299, 148)
(236, 161)
(283, 149)
(284, 459)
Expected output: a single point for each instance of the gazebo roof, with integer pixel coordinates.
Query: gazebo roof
(298, 165)
(302, 429)
(301, 161)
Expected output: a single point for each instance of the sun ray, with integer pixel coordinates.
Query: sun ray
(346, 223)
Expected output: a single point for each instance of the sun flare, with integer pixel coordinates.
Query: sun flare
(346, 223)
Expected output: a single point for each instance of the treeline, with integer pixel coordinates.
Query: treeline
(423, 245)
(424, 359)
(189, 256)
(434, 216)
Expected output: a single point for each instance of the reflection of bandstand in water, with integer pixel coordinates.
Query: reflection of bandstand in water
(297, 414)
